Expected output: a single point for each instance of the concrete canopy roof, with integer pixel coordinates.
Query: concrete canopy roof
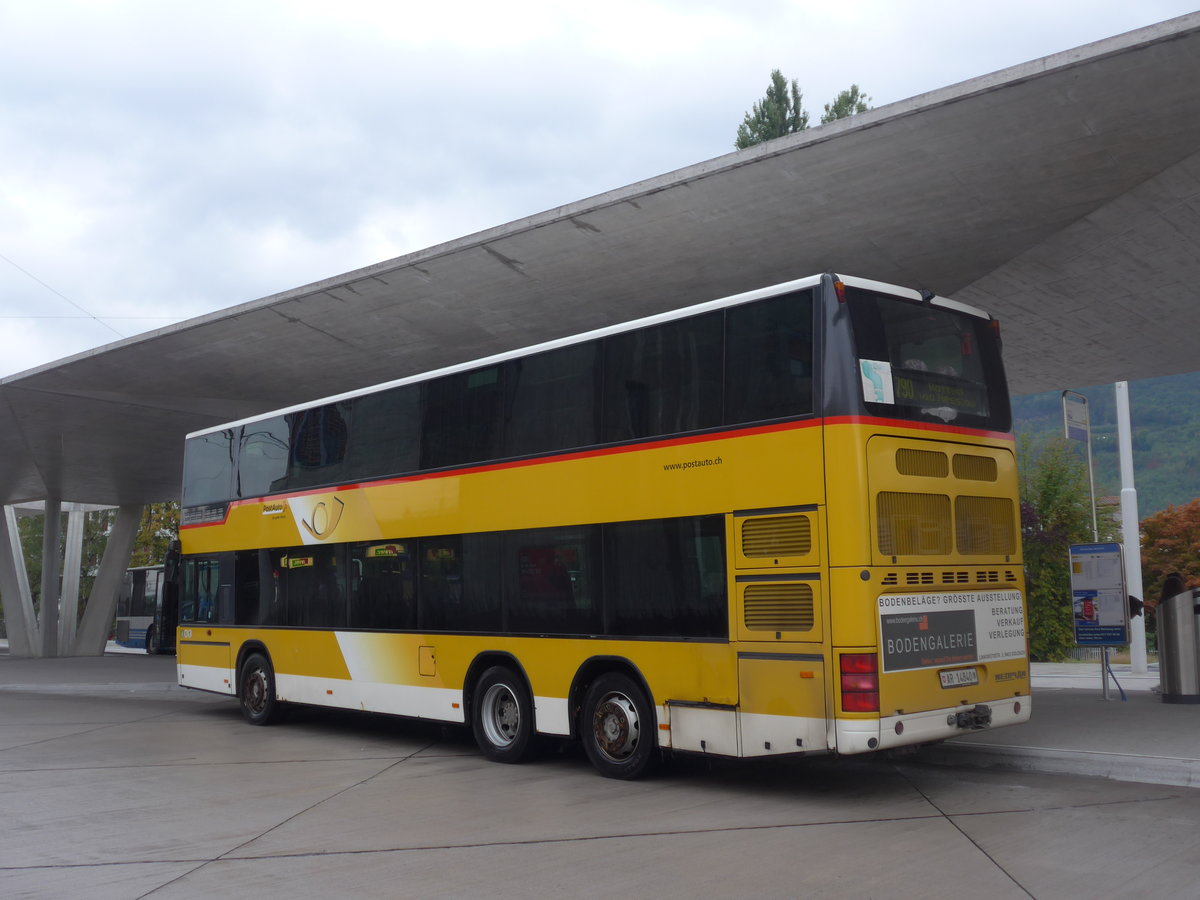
(1062, 195)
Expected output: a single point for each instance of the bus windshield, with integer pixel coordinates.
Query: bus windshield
(928, 362)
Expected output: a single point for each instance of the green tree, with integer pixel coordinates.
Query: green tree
(1055, 513)
(780, 112)
(849, 102)
(160, 526)
(1171, 543)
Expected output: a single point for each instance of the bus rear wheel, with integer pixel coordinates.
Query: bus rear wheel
(256, 690)
(617, 727)
(502, 716)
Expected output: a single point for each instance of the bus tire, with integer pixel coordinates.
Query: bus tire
(617, 727)
(502, 716)
(256, 690)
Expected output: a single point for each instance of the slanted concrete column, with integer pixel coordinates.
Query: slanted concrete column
(72, 563)
(51, 590)
(102, 604)
(14, 590)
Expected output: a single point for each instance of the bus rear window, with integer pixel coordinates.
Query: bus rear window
(928, 363)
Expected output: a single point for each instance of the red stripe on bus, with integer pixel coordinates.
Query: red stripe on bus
(614, 451)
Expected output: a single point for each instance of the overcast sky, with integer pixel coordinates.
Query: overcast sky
(161, 160)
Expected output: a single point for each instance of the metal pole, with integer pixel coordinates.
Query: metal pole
(51, 590)
(1096, 539)
(1130, 529)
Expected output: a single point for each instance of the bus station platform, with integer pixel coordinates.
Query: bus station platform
(117, 783)
(1132, 736)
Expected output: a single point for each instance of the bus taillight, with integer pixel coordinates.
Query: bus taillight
(860, 682)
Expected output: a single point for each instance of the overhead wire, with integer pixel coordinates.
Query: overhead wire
(60, 294)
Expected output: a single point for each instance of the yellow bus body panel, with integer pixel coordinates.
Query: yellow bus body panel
(767, 468)
(760, 679)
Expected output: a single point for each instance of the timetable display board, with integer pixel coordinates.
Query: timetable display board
(1099, 598)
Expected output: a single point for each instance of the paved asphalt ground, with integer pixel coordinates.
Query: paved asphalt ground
(116, 783)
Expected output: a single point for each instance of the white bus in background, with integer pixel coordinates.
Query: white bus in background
(147, 612)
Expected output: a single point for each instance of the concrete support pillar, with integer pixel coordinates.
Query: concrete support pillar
(17, 599)
(102, 604)
(72, 563)
(1131, 532)
(51, 590)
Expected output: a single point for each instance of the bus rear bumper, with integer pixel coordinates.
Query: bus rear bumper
(889, 732)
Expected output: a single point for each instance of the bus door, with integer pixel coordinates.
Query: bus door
(203, 652)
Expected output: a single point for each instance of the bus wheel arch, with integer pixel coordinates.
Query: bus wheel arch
(501, 713)
(614, 717)
(519, 688)
(256, 685)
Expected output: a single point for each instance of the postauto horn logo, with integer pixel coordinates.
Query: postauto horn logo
(317, 517)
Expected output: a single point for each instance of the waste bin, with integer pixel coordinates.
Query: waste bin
(1179, 647)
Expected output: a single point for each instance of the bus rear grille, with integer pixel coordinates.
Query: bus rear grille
(778, 607)
(914, 524)
(948, 576)
(974, 468)
(985, 525)
(777, 536)
(925, 463)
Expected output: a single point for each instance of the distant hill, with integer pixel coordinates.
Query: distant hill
(1165, 417)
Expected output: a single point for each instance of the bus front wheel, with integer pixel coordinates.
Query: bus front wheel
(256, 690)
(502, 716)
(617, 727)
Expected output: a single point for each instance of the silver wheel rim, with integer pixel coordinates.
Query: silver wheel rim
(616, 727)
(500, 715)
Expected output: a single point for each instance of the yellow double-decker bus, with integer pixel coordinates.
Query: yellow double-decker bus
(784, 522)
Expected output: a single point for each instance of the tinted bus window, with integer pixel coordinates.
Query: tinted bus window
(769, 359)
(552, 401)
(462, 418)
(666, 578)
(263, 457)
(314, 586)
(926, 362)
(386, 436)
(383, 585)
(317, 444)
(208, 469)
(257, 596)
(553, 579)
(663, 380)
(459, 583)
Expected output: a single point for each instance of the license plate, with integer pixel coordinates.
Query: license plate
(958, 677)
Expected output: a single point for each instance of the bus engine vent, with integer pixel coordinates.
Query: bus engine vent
(778, 607)
(974, 468)
(985, 525)
(777, 536)
(925, 463)
(914, 524)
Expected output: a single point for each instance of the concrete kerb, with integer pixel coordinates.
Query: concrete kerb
(1140, 768)
(1132, 737)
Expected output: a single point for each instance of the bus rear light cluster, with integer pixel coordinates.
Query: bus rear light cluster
(860, 682)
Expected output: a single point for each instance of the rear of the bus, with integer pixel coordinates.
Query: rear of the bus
(926, 585)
